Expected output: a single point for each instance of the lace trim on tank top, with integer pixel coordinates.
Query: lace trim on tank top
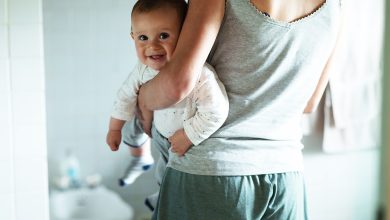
(268, 17)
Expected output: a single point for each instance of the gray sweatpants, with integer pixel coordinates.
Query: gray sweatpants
(184, 196)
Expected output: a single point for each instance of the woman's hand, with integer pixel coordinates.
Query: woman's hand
(144, 115)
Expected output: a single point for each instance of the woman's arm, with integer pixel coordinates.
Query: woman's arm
(177, 79)
(316, 97)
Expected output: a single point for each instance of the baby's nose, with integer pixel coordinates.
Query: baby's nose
(154, 45)
(152, 49)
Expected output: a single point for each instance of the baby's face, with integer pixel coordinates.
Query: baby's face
(155, 35)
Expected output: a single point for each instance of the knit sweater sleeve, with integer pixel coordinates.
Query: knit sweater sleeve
(212, 107)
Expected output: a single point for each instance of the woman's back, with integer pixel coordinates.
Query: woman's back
(269, 72)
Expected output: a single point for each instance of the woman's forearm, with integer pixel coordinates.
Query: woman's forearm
(177, 79)
(329, 67)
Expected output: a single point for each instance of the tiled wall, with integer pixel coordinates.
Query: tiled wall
(88, 53)
(23, 157)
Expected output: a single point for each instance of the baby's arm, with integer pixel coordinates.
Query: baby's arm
(212, 108)
(124, 107)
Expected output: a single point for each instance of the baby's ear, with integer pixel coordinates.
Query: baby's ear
(131, 34)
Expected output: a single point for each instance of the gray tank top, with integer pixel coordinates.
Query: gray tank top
(270, 70)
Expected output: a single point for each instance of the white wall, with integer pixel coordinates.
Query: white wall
(341, 186)
(23, 157)
(385, 171)
(88, 53)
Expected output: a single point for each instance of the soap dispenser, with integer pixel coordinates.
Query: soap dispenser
(71, 169)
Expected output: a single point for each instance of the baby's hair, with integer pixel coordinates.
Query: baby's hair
(180, 6)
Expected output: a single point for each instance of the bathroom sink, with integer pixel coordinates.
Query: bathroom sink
(98, 203)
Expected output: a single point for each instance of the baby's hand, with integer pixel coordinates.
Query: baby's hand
(113, 139)
(180, 143)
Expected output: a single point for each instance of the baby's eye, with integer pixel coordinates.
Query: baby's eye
(164, 36)
(142, 37)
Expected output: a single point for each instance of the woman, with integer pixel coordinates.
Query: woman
(274, 58)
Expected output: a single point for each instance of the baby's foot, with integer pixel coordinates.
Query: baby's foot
(137, 166)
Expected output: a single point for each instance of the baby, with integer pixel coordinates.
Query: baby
(156, 26)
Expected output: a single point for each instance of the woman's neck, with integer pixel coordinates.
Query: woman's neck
(287, 10)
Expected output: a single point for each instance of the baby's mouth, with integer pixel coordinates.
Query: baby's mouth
(156, 57)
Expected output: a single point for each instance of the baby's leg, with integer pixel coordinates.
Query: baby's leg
(140, 151)
(139, 147)
(162, 144)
